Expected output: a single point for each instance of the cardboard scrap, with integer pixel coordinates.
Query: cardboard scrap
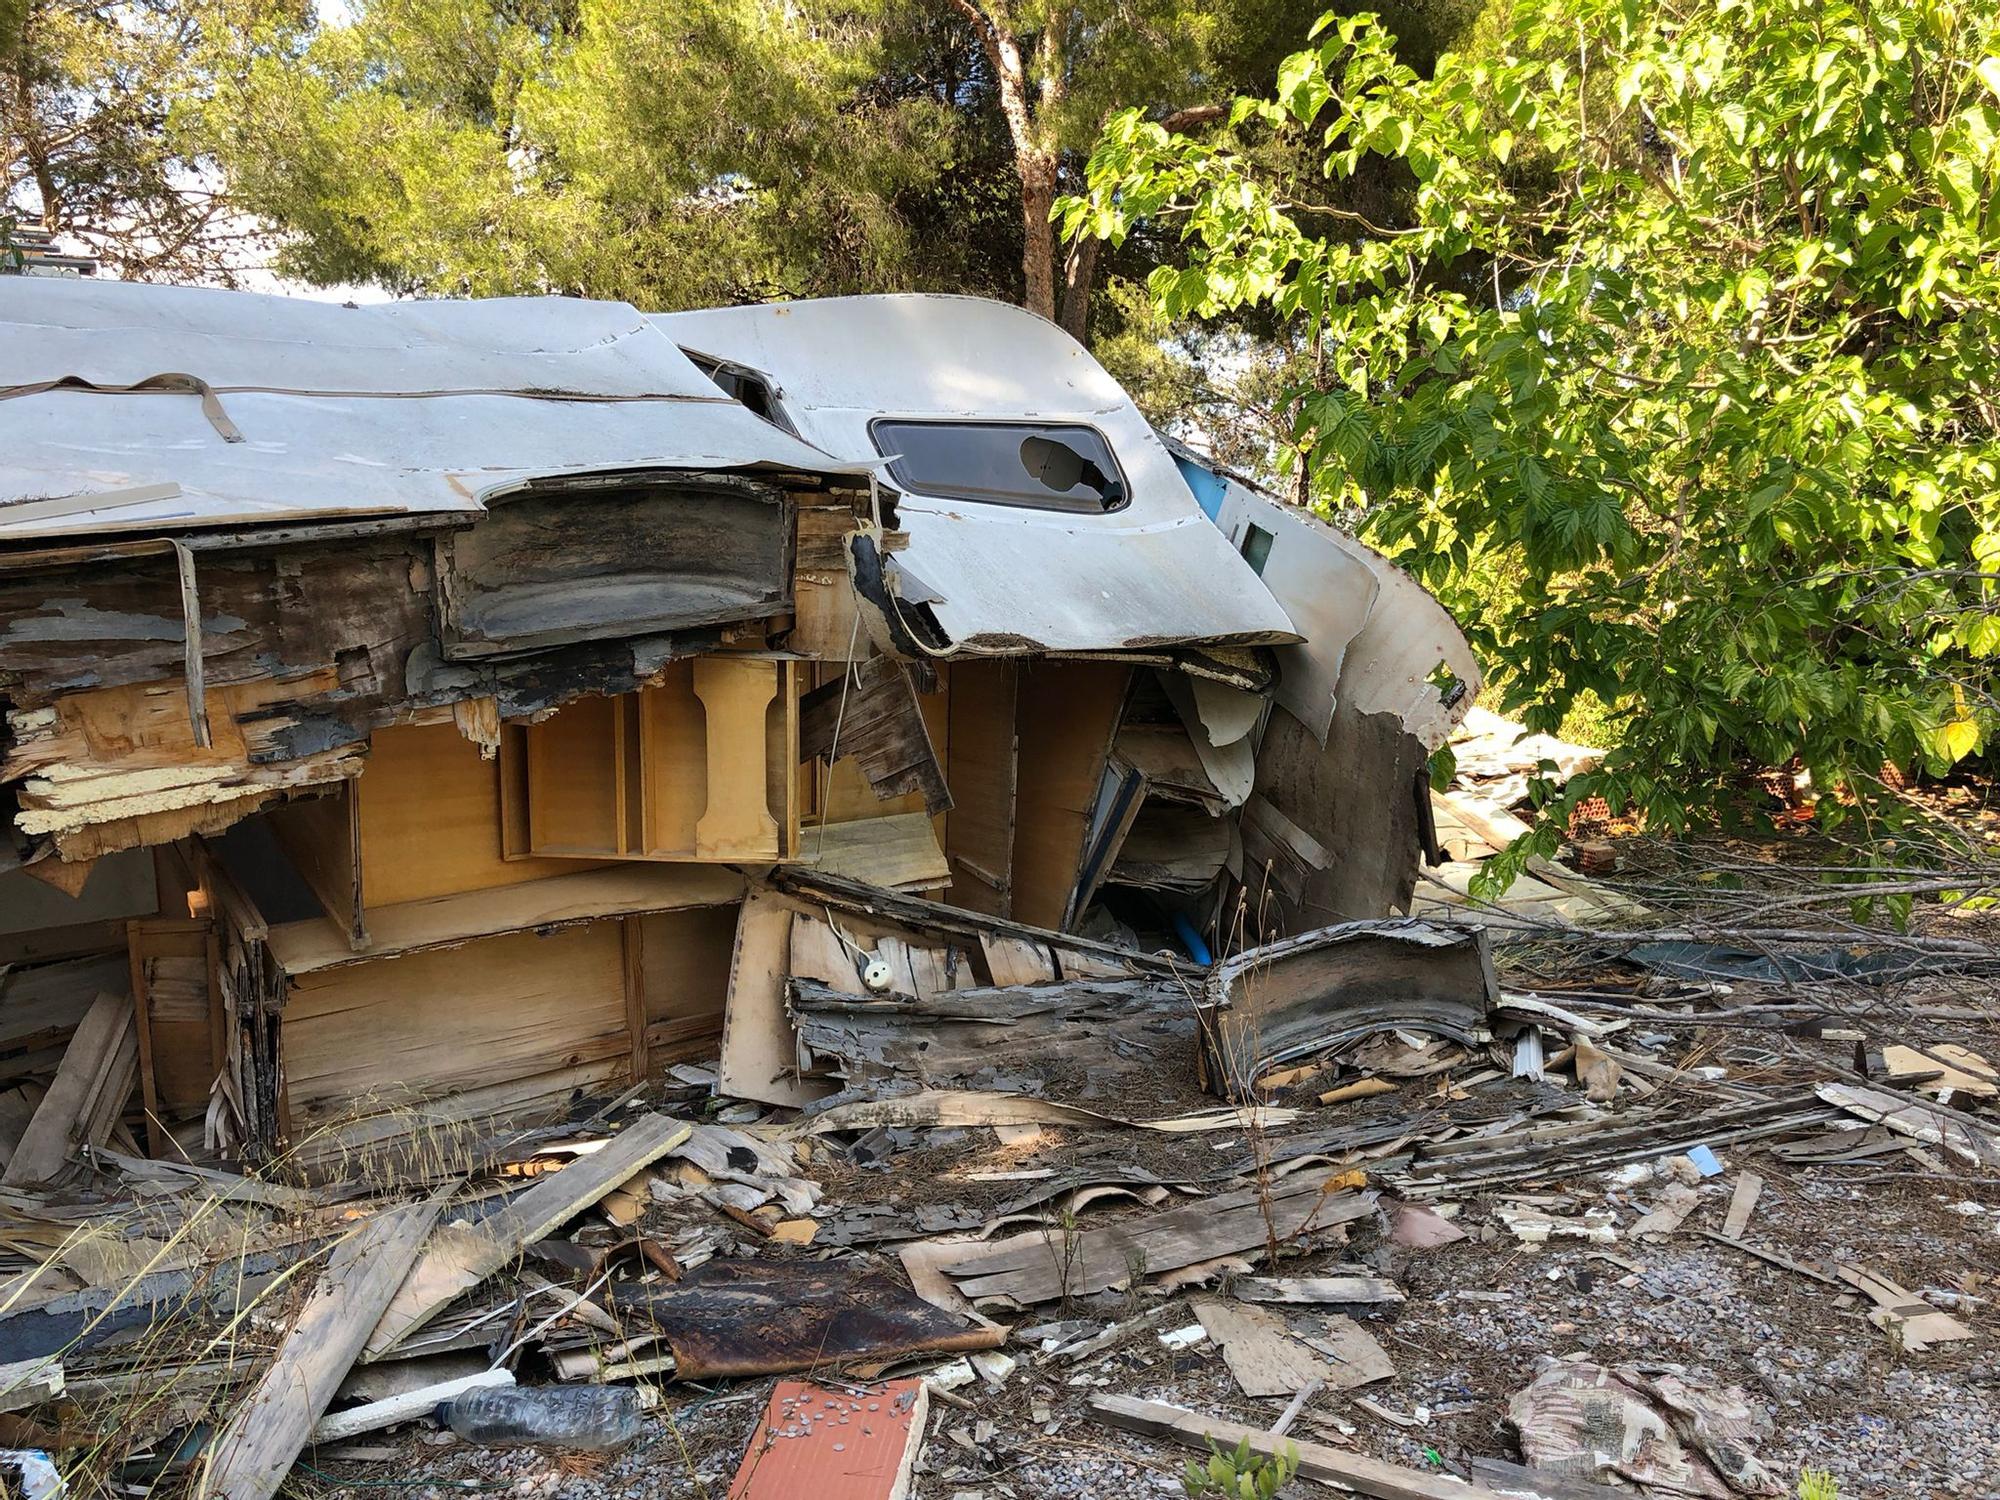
(1742, 1203)
(1675, 1203)
(1357, 1359)
(1418, 1228)
(1947, 1066)
(1912, 1322)
(1650, 1426)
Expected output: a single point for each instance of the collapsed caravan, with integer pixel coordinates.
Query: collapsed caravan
(487, 704)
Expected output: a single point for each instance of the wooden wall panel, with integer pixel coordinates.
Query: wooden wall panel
(575, 792)
(1067, 716)
(673, 759)
(502, 1008)
(684, 976)
(179, 1015)
(430, 815)
(980, 768)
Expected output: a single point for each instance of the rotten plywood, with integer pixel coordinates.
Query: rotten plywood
(1274, 1004)
(558, 566)
(729, 1319)
(871, 714)
(1083, 1037)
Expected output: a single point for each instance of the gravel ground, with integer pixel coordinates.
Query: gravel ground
(1480, 1314)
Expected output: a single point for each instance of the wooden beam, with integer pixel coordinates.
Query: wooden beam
(197, 673)
(1353, 1471)
(262, 1441)
(635, 995)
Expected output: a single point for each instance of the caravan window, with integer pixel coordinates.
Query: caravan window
(1049, 466)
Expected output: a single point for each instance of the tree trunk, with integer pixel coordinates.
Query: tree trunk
(1034, 163)
(1079, 279)
(1038, 235)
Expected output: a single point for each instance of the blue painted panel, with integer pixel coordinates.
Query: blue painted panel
(1208, 486)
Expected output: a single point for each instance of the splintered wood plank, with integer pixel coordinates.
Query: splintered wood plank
(255, 1452)
(1097, 1259)
(1340, 1290)
(1014, 960)
(737, 694)
(461, 1256)
(88, 1095)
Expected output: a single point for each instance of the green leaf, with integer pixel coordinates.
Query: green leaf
(1958, 739)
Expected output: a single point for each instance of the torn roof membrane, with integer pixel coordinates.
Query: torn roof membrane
(1001, 578)
(128, 407)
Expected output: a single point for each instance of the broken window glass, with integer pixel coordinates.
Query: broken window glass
(1049, 466)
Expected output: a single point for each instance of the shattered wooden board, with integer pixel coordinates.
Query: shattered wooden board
(1078, 1263)
(730, 1318)
(1090, 1035)
(256, 1450)
(1346, 1290)
(1260, 1350)
(874, 718)
(461, 1256)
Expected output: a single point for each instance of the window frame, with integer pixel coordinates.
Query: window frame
(1055, 505)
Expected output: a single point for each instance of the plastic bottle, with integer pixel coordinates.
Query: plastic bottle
(598, 1417)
